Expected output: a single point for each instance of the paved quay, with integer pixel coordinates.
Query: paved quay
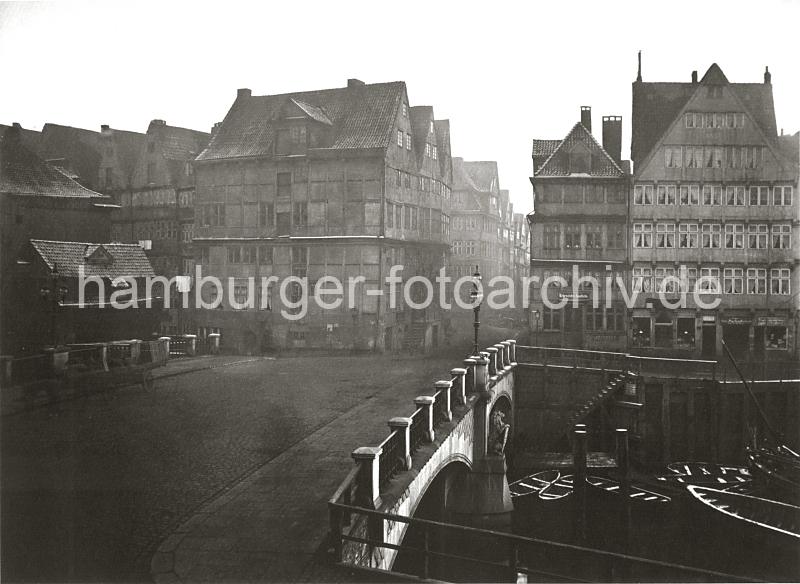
(272, 526)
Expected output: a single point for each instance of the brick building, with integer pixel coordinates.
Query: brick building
(339, 182)
(580, 192)
(714, 197)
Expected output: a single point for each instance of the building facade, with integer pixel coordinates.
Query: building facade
(343, 183)
(714, 204)
(578, 227)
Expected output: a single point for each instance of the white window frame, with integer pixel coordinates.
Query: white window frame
(761, 197)
(781, 277)
(643, 194)
(757, 277)
(782, 236)
(711, 286)
(642, 279)
(715, 192)
(665, 195)
(786, 195)
(689, 195)
(736, 231)
(692, 233)
(737, 193)
(642, 233)
(665, 235)
(733, 280)
(758, 233)
(714, 233)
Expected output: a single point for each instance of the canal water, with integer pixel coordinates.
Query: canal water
(683, 531)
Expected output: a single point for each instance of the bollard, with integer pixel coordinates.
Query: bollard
(444, 386)
(425, 402)
(579, 463)
(403, 426)
(624, 470)
(459, 384)
(469, 378)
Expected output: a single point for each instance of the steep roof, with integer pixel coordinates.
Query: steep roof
(23, 173)
(656, 105)
(105, 260)
(557, 164)
(178, 143)
(79, 149)
(29, 138)
(484, 174)
(360, 116)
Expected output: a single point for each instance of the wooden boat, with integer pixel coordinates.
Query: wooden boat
(534, 483)
(558, 489)
(766, 514)
(777, 469)
(707, 470)
(637, 493)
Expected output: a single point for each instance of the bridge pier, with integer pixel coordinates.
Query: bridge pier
(482, 498)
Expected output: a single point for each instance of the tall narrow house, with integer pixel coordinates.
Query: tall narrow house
(343, 182)
(714, 201)
(578, 226)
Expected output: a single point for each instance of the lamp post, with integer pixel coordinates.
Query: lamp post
(476, 295)
(54, 296)
(536, 315)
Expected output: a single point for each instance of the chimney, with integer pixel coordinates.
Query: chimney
(243, 92)
(767, 76)
(586, 117)
(612, 137)
(639, 72)
(105, 128)
(215, 128)
(12, 135)
(355, 83)
(158, 123)
(694, 77)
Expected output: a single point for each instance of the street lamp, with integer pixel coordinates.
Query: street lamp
(54, 295)
(535, 314)
(476, 295)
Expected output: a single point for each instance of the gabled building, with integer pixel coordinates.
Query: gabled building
(75, 151)
(120, 150)
(715, 199)
(341, 182)
(37, 201)
(580, 195)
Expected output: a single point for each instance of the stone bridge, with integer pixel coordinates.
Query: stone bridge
(463, 426)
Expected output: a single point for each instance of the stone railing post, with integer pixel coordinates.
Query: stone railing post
(191, 345)
(481, 375)
(444, 386)
(165, 341)
(469, 378)
(459, 384)
(368, 460)
(213, 343)
(403, 427)
(425, 402)
(502, 357)
(512, 351)
(492, 361)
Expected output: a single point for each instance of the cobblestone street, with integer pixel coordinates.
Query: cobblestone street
(92, 485)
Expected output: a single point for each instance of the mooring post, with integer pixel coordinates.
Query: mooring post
(624, 469)
(579, 463)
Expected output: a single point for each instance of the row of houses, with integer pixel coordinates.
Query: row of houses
(709, 198)
(341, 183)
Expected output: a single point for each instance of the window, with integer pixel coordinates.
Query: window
(688, 235)
(643, 195)
(642, 279)
(692, 157)
(672, 156)
(300, 214)
(686, 333)
(594, 236)
(665, 195)
(188, 169)
(405, 110)
(734, 236)
(709, 280)
(665, 280)
(617, 194)
(235, 254)
(551, 319)
(204, 255)
(249, 254)
(757, 236)
(689, 119)
(734, 196)
(782, 195)
(264, 255)
(266, 214)
(734, 156)
(642, 235)
(434, 152)
(400, 138)
(690, 194)
(712, 235)
(284, 181)
(756, 281)
(775, 337)
(781, 236)
(427, 149)
(552, 236)
(713, 157)
(779, 280)
(665, 235)
(469, 248)
(212, 214)
(593, 320)
(616, 236)
(754, 156)
(712, 195)
(572, 236)
(688, 279)
(733, 280)
(759, 195)
(408, 141)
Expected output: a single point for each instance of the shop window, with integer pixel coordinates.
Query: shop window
(686, 336)
(776, 337)
(641, 332)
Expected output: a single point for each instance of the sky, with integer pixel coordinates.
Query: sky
(503, 73)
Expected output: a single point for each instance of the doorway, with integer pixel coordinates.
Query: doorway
(709, 341)
(737, 337)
